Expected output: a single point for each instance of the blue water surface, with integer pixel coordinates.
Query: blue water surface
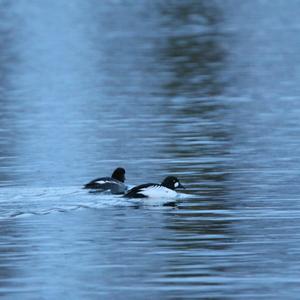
(204, 90)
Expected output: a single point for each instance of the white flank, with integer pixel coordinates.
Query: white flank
(157, 191)
(102, 182)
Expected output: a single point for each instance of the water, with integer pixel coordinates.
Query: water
(204, 90)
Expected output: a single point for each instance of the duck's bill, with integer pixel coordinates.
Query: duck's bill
(180, 186)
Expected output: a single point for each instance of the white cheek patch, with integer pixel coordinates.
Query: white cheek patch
(176, 184)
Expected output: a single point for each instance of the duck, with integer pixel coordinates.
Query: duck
(155, 190)
(115, 184)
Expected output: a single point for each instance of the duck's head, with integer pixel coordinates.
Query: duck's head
(171, 182)
(119, 174)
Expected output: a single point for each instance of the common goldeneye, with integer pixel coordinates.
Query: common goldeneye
(114, 184)
(164, 190)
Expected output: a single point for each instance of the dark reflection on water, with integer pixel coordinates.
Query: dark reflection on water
(197, 138)
(198, 133)
(190, 88)
(193, 48)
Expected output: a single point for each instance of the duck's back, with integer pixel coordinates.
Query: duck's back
(137, 191)
(107, 184)
(98, 183)
(151, 190)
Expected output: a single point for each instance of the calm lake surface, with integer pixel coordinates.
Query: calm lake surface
(207, 91)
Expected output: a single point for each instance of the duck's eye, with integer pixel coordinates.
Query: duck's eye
(176, 184)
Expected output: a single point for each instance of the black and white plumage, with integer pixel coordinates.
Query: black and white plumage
(153, 190)
(114, 184)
